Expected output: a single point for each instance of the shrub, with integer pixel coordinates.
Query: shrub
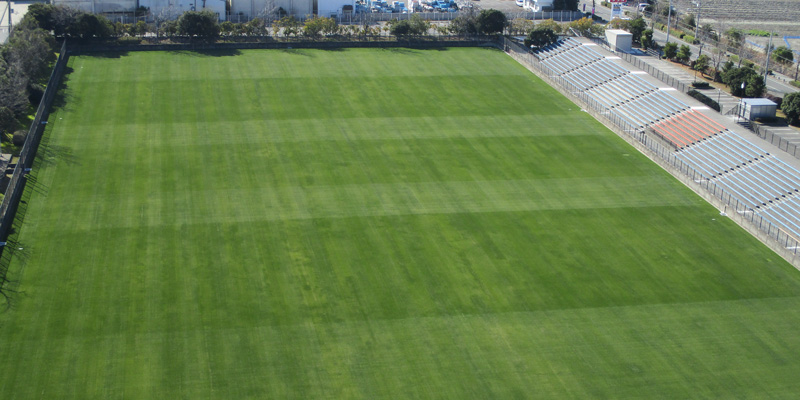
(758, 32)
(700, 84)
(776, 99)
(795, 83)
(670, 50)
(791, 107)
(491, 21)
(125, 40)
(35, 93)
(19, 138)
(689, 38)
(704, 99)
(540, 37)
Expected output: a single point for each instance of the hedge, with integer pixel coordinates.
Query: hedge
(704, 99)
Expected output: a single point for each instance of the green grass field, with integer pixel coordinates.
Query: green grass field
(372, 224)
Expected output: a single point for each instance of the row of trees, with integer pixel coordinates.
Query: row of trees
(68, 22)
(25, 62)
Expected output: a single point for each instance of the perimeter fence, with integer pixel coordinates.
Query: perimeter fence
(649, 143)
(180, 44)
(16, 185)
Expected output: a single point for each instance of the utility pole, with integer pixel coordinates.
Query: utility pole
(697, 22)
(669, 19)
(9, 18)
(769, 52)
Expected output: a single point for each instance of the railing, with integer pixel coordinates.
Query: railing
(16, 185)
(783, 242)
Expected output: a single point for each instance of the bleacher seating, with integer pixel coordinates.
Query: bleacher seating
(757, 179)
(687, 128)
(759, 182)
(718, 154)
(784, 213)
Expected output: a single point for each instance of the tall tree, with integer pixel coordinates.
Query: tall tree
(791, 107)
(491, 21)
(783, 55)
(541, 38)
(636, 27)
(202, 24)
(684, 53)
(29, 51)
(701, 64)
(671, 50)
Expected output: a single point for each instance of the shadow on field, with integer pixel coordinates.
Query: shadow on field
(15, 250)
(106, 54)
(298, 52)
(339, 49)
(60, 99)
(208, 53)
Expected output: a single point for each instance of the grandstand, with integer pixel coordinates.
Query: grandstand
(760, 182)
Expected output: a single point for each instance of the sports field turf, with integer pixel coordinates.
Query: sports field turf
(372, 224)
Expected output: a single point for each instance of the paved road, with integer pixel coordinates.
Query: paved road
(776, 85)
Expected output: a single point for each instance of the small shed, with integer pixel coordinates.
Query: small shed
(758, 108)
(619, 40)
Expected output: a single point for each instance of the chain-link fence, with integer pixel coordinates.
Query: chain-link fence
(16, 185)
(644, 139)
(169, 44)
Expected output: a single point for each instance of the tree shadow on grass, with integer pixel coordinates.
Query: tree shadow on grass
(106, 54)
(208, 53)
(14, 249)
(298, 52)
(60, 99)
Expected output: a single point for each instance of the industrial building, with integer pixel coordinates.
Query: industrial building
(237, 10)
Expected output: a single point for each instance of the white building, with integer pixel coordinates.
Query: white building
(172, 9)
(99, 6)
(327, 8)
(538, 5)
(255, 8)
(299, 8)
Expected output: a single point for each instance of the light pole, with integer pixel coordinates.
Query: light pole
(697, 21)
(769, 51)
(669, 18)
